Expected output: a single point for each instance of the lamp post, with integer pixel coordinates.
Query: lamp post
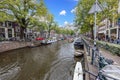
(94, 9)
(119, 19)
(95, 13)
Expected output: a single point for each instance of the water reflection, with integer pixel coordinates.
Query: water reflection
(52, 62)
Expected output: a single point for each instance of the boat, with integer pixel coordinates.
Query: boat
(49, 41)
(78, 72)
(78, 53)
(45, 42)
(78, 44)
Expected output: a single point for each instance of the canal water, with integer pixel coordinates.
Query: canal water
(51, 62)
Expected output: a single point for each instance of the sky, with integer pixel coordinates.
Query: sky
(62, 10)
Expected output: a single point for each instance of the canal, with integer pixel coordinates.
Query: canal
(51, 62)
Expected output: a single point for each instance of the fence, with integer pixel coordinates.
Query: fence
(97, 60)
(93, 52)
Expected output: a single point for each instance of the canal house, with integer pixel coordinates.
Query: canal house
(107, 30)
(6, 30)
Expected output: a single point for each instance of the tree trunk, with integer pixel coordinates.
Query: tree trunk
(49, 33)
(22, 29)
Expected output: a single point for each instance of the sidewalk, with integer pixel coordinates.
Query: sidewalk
(109, 55)
(91, 68)
(104, 53)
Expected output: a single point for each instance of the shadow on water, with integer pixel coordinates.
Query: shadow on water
(51, 62)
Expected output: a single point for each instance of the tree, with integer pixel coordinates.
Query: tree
(58, 30)
(110, 10)
(50, 21)
(23, 11)
(86, 21)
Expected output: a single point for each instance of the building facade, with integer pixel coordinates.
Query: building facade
(108, 31)
(6, 30)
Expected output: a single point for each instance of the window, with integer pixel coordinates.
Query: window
(1, 23)
(9, 32)
(9, 24)
(2, 30)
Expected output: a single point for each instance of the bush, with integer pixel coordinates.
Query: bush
(113, 48)
(1, 39)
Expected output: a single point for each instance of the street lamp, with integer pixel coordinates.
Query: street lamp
(94, 9)
(119, 19)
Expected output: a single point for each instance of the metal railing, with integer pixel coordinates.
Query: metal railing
(97, 60)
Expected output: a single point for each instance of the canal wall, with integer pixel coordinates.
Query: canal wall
(11, 45)
(90, 69)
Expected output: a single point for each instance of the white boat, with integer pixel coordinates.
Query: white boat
(49, 41)
(78, 72)
(78, 53)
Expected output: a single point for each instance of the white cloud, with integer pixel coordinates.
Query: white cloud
(63, 12)
(65, 23)
(73, 10)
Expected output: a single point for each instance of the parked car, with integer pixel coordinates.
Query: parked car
(39, 38)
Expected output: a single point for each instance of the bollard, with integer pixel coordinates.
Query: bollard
(89, 51)
(87, 47)
(92, 56)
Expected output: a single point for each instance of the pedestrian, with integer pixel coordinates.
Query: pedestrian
(112, 40)
(108, 39)
(118, 40)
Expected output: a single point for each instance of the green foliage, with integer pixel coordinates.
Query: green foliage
(86, 20)
(1, 39)
(67, 31)
(82, 17)
(113, 48)
(110, 47)
(25, 12)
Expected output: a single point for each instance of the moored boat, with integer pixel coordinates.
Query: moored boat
(78, 53)
(78, 72)
(78, 44)
(49, 41)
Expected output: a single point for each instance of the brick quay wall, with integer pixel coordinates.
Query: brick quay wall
(11, 45)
